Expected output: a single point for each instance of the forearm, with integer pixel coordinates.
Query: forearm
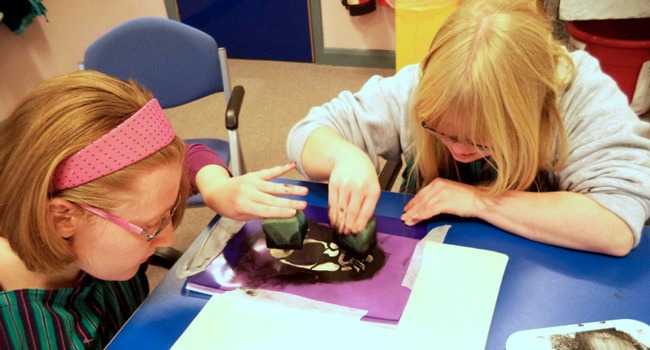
(208, 181)
(198, 156)
(565, 219)
(323, 149)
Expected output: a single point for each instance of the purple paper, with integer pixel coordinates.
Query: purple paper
(382, 294)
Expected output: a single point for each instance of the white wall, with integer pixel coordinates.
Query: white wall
(53, 47)
(373, 31)
(573, 10)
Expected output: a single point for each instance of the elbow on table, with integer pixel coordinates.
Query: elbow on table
(619, 251)
(620, 244)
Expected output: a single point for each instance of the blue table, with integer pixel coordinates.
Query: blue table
(543, 285)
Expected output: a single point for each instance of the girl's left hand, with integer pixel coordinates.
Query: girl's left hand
(441, 196)
(252, 195)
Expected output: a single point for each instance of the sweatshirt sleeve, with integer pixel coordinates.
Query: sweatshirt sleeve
(609, 157)
(196, 157)
(376, 118)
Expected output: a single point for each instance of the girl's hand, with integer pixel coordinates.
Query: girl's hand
(353, 193)
(441, 196)
(251, 195)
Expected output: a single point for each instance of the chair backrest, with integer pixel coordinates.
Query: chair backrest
(177, 62)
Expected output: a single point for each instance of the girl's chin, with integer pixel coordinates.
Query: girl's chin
(466, 158)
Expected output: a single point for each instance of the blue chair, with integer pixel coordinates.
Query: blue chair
(179, 64)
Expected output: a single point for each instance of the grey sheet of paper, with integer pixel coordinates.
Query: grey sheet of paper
(634, 335)
(292, 300)
(212, 247)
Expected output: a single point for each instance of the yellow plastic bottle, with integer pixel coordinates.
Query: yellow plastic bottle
(416, 23)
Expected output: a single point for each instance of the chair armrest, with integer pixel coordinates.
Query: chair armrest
(165, 257)
(234, 105)
(389, 174)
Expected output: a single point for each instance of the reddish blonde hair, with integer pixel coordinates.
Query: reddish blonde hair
(57, 119)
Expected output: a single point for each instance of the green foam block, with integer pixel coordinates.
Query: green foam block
(361, 242)
(285, 233)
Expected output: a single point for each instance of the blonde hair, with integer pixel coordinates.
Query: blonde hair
(494, 73)
(57, 119)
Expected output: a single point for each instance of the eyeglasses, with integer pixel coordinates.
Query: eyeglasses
(164, 221)
(452, 139)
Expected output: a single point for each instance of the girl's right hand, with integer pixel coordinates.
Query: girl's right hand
(353, 192)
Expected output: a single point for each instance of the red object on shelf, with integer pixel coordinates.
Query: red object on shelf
(621, 46)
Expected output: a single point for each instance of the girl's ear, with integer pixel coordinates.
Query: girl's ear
(65, 216)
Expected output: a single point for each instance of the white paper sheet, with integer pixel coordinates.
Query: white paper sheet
(453, 299)
(575, 10)
(450, 307)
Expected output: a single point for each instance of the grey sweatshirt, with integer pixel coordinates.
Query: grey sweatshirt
(609, 158)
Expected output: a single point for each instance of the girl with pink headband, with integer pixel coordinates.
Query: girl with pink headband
(93, 180)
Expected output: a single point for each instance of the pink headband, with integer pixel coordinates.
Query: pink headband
(143, 134)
